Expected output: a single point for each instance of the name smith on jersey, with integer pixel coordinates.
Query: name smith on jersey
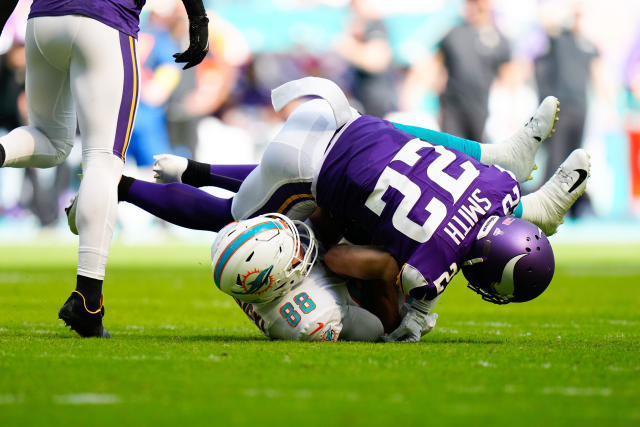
(467, 216)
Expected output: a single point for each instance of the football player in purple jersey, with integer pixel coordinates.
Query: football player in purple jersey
(82, 67)
(424, 210)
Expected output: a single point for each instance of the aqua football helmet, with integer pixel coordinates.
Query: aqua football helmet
(260, 259)
(511, 260)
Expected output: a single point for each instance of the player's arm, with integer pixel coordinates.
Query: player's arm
(379, 269)
(362, 262)
(169, 168)
(6, 10)
(198, 34)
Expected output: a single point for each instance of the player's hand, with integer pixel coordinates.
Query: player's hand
(198, 42)
(169, 168)
(415, 324)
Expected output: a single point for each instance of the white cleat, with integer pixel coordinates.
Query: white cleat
(547, 207)
(519, 151)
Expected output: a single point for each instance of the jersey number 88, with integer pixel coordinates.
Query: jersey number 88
(305, 305)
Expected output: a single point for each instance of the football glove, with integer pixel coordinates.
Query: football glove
(415, 324)
(169, 168)
(198, 42)
(5, 11)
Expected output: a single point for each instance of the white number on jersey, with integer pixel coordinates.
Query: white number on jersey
(390, 178)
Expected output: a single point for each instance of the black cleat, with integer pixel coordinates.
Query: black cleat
(78, 317)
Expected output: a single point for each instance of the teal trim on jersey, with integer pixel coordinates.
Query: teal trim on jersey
(467, 146)
(240, 240)
(517, 212)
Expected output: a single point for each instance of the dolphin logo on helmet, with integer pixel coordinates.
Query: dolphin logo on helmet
(256, 284)
(259, 259)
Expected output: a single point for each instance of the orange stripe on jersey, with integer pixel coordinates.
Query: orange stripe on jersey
(283, 208)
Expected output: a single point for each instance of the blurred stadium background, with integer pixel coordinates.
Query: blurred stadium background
(185, 354)
(220, 112)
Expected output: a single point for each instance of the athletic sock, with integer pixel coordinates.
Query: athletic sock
(123, 187)
(2, 155)
(229, 177)
(517, 212)
(178, 203)
(196, 174)
(467, 146)
(91, 290)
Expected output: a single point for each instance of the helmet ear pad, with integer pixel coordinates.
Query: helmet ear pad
(510, 261)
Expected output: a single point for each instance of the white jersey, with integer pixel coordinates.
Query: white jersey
(312, 311)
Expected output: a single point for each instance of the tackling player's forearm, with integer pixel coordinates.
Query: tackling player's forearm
(377, 267)
(362, 262)
(383, 302)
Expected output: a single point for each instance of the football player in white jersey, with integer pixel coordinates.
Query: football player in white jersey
(194, 215)
(268, 265)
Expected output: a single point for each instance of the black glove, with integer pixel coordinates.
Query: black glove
(198, 42)
(6, 9)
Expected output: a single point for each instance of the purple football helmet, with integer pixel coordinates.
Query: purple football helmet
(511, 260)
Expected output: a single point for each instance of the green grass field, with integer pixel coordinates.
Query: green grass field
(182, 353)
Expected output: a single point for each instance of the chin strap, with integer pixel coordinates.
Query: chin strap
(84, 302)
(494, 298)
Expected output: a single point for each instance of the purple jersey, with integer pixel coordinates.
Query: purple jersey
(423, 203)
(123, 15)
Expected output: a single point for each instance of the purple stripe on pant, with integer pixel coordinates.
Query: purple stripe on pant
(130, 92)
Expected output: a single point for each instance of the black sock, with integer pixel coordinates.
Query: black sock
(2, 155)
(197, 174)
(91, 289)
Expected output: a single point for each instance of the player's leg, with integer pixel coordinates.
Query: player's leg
(177, 203)
(516, 154)
(547, 206)
(472, 148)
(104, 82)
(360, 325)
(48, 139)
(180, 204)
(282, 181)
